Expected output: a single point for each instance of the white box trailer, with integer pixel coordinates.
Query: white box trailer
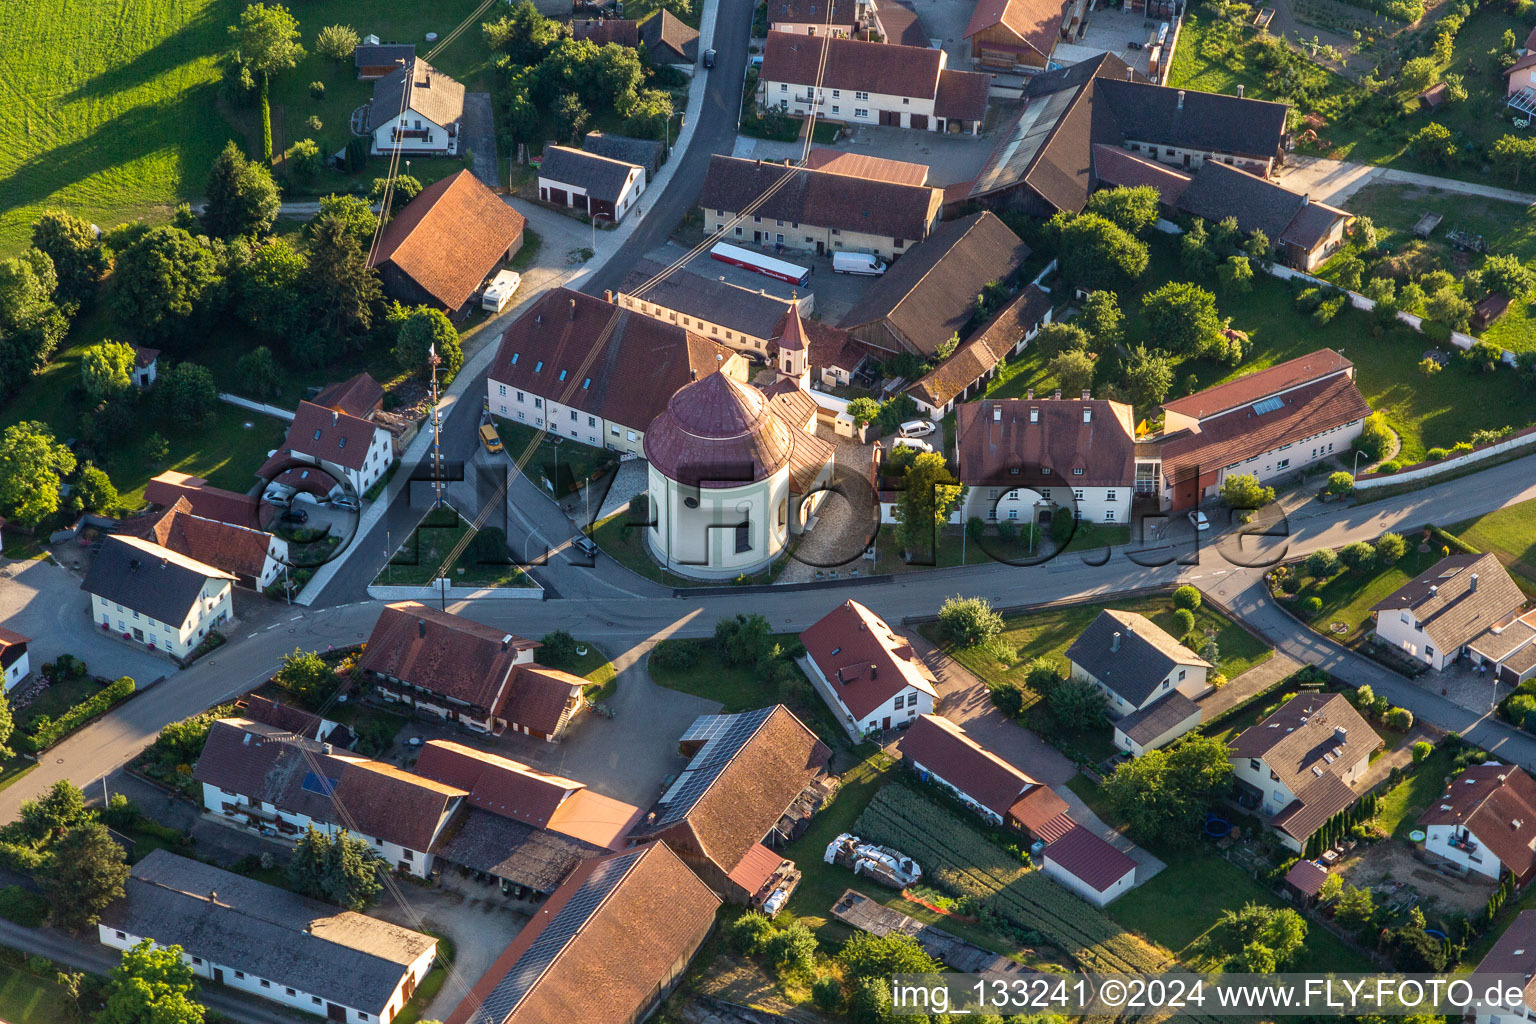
(499, 292)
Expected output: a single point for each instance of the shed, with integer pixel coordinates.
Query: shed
(1486, 312)
(1305, 879)
(1434, 97)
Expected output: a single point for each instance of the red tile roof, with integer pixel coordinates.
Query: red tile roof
(1251, 387)
(718, 432)
(855, 64)
(945, 749)
(842, 13)
(1088, 857)
(753, 870)
(1497, 804)
(446, 654)
(962, 95)
(1118, 166)
(995, 436)
(860, 165)
(602, 31)
(863, 659)
(224, 546)
(327, 435)
(450, 237)
(356, 396)
(1035, 22)
(1307, 876)
(1043, 814)
(205, 501)
(496, 784)
(542, 698)
(989, 346)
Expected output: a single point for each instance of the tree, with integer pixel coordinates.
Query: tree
(1341, 483)
(1514, 153)
(336, 42)
(1056, 338)
(267, 39)
(570, 117)
(340, 868)
(1163, 795)
(868, 956)
(1421, 751)
(243, 200)
(258, 373)
(649, 114)
(1197, 253)
(1358, 556)
(402, 188)
(863, 410)
(1376, 437)
(1390, 547)
(1332, 887)
(31, 323)
(1363, 233)
(1243, 491)
(1321, 564)
(748, 932)
(1355, 908)
(1182, 317)
(424, 330)
(188, 394)
(342, 287)
(1433, 143)
(1485, 355)
(1096, 253)
(558, 650)
(304, 160)
(928, 496)
(523, 34)
(95, 491)
(1257, 248)
(1102, 319)
(1186, 597)
(1076, 704)
(1236, 274)
(1505, 273)
(307, 677)
(1131, 208)
(1183, 622)
(1073, 370)
(1400, 719)
(1148, 378)
(31, 463)
(354, 213)
(164, 281)
(1009, 699)
(1419, 72)
(966, 622)
(44, 820)
(106, 370)
(83, 873)
(151, 986)
(791, 950)
(78, 257)
(1450, 309)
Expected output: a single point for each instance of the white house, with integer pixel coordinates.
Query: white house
(155, 596)
(745, 319)
(939, 751)
(15, 664)
(1139, 668)
(1298, 766)
(268, 942)
(416, 110)
(965, 374)
(1436, 615)
(146, 366)
(1513, 955)
(1485, 823)
(868, 674)
(1088, 865)
(349, 448)
(267, 777)
(599, 186)
(820, 17)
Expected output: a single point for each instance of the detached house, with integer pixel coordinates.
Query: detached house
(939, 750)
(268, 942)
(416, 110)
(843, 18)
(1297, 766)
(15, 664)
(355, 452)
(668, 40)
(1485, 823)
(599, 186)
(733, 803)
(163, 491)
(870, 83)
(155, 596)
(868, 674)
(1451, 607)
(1514, 954)
(1147, 677)
(256, 559)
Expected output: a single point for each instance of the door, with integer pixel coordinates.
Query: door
(821, 248)
(920, 121)
(757, 236)
(557, 196)
(579, 201)
(218, 975)
(890, 118)
(335, 1012)
(887, 723)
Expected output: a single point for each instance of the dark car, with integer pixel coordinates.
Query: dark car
(709, 59)
(294, 515)
(585, 545)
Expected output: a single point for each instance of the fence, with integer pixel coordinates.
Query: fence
(444, 591)
(1425, 470)
(265, 410)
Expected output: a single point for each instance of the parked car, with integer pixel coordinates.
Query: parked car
(709, 59)
(294, 515)
(585, 545)
(912, 442)
(1198, 518)
(347, 502)
(490, 439)
(918, 428)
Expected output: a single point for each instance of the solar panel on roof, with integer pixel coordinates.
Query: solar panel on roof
(320, 784)
(723, 736)
(1268, 405)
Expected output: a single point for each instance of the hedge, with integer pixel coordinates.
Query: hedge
(27, 909)
(48, 731)
(1456, 544)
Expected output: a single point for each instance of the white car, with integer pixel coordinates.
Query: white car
(917, 428)
(1198, 518)
(912, 442)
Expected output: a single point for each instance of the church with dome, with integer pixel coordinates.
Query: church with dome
(735, 470)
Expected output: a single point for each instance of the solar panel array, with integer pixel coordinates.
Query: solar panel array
(724, 736)
(1268, 405)
(321, 785)
(515, 985)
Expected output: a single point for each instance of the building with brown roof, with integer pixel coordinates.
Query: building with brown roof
(598, 186)
(929, 296)
(293, 719)
(896, 21)
(608, 946)
(669, 39)
(821, 17)
(966, 372)
(15, 662)
(602, 31)
(745, 319)
(215, 503)
(1089, 865)
(816, 211)
(938, 750)
(868, 674)
(1030, 459)
(595, 372)
(359, 396)
(1264, 424)
(440, 249)
(1485, 822)
(355, 452)
(262, 776)
(1443, 611)
(1508, 649)
(1298, 766)
(1014, 35)
(256, 559)
(1514, 956)
(1306, 878)
(416, 110)
(151, 595)
(745, 773)
(864, 82)
(146, 366)
(861, 165)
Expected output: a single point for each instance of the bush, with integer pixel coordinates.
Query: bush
(969, 621)
(1183, 622)
(791, 950)
(828, 993)
(1322, 563)
(1400, 719)
(336, 42)
(1389, 467)
(749, 932)
(1186, 597)
(1375, 436)
(1435, 454)
(317, 90)
(675, 655)
(559, 650)
(1358, 556)
(1390, 547)
(1009, 699)
(48, 731)
(1422, 750)
(1311, 606)
(1429, 366)
(1341, 483)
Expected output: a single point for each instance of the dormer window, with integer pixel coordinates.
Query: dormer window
(342, 443)
(538, 366)
(514, 357)
(317, 435)
(1077, 471)
(562, 374)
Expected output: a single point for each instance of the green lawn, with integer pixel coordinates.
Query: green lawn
(594, 665)
(1509, 533)
(1348, 597)
(561, 466)
(27, 999)
(445, 535)
(1398, 808)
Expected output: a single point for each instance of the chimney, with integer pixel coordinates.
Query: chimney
(573, 308)
(325, 748)
(1087, 394)
(693, 374)
(1114, 644)
(506, 641)
(1057, 394)
(1181, 99)
(335, 417)
(213, 895)
(1306, 199)
(1029, 393)
(607, 294)
(133, 565)
(1340, 734)
(421, 628)
(874, 670)
(1239, 92)
(1434, 589)
(1474, 583)
(997, 414)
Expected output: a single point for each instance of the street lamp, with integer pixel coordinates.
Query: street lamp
(1358, 453)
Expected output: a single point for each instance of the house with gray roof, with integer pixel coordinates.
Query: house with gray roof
(148, 594)
(645, 152)
(268, 942)
(416, 110)
(374, 59)
(1137, 666)
(669, 40)
(1449, 607)
(744, 319)
(598, 186)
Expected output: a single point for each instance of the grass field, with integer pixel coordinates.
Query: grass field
(596, 667)
(427, 550)
(26, 999)
(1399, 808)
(1509, 533)
(1348, 597)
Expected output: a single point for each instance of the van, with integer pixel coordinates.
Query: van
(912, 442)
(490, 439)
(917, 428)
(857, 263)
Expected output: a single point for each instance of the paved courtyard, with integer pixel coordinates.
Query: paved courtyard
(1109, 31)
(949, 158)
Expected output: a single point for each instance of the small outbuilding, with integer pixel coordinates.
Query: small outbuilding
(1089, 866)
(595, 185)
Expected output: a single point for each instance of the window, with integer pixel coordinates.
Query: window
(1429, 652)
(265, 983)
(834, 106)
(860, 112)
(783, 88)
(1109, 515)
(591, 421)
(120, 935)
(1077, 493)
(1077, 471)
(289, 991)
(861, 95)
(738, 232)
(408, 855)
(538, 403)
(240, 974)
(573, 415)
(519, 396)
(538, 366)
(899, 243)
(1045, 470)
(836, 93)
(1283, 464)
(837, 231)
(315, 999)
(501, 389)
(631, 435)
(1182, 673)
(743, 538)
(1253, 764)
(1109, 495)
(991, 513)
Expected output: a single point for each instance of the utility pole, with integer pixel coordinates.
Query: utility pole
(437, 436)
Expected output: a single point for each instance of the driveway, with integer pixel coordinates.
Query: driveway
(479, 928)
(1335, 181)
(480, 137)
(42, 601)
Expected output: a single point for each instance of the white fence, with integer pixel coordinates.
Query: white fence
(265, 410)
(446, 591)
(1426, 470)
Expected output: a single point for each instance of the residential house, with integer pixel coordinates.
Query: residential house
(965, 374)
(1029, 460)
(483, 678)
(744, 319)
(1512, 956)
(375, 60)
(1014, 35)
(354, 452)
(940, 751)
(868, 674)
(1147, 677)
(1297, 766)
(1443, 611)
(842, 18)
(269, 943)
(862, 82)
(602, 31)
(668, 40)
(609, 946)
(1520, 84)
(930, 296)
(257, 559)
(815, 211)
(15, 664)
(595, 185)
(266, 777)
(155, 596)
(146, 366)
(1263, 424)
(834, 356)
(648, 153)
(443, 245)
(215, 503)
(359, 396)
(1089, 866)
(862, 165)
(416, 111)
(1044, 161)
(595, 372)
(291, 718)
(1485, 823)
(1508, 649)
(732, 802)
(896, 21)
